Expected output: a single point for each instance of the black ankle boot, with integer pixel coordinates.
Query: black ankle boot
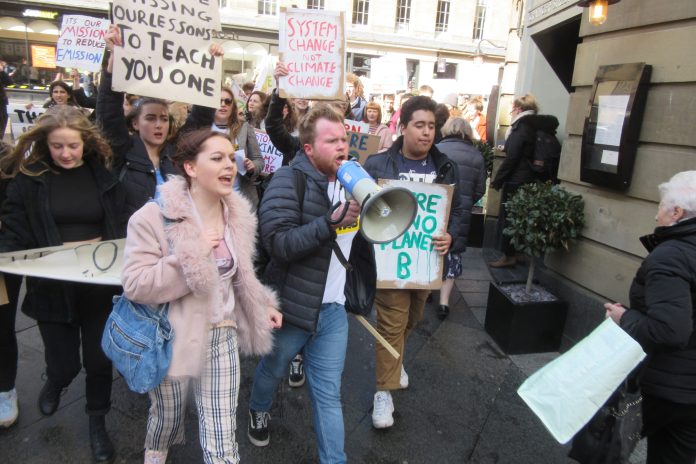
(49, 398)
(102, 448)
(442, 312)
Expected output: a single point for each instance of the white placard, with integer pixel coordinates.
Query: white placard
(388, 74)
(356, 126)
(81, 42)
(165, 50)
(312, 45)
(410, 261)
(21, 119)
(272, 158)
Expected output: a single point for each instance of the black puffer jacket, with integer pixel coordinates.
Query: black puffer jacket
(132, 164)
(472, 180)
(384, 166)
(284, 141)
(662, 317)
(519, 149)
(298, 240)
(27, 223)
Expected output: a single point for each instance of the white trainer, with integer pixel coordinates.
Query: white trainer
(382, 410)
(9, 409)
(403, 380)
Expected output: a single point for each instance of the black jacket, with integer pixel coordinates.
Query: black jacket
(472, 180)
(27, 223)
(384, 166)
(284, 142)
(298, 240)
(519, 149)
(132, 164)
(662, 317)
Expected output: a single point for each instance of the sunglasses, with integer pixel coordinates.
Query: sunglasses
(226, 101)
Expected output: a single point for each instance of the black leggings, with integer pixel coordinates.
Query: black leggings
(671, 431)
(8, 337)
(62, 346)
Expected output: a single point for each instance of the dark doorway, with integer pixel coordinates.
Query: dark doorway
(558, 44)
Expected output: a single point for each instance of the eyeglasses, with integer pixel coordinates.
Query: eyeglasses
(226, 101)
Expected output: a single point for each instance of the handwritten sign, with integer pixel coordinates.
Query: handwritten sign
(43, 56)
(362, 145)
(272, 158)
(165, 50)
(22, 119)
(81, 42)
(410, 261)
(388, 74)
(312, 44)
(356, 126)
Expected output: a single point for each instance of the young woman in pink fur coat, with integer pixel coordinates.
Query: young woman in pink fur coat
(195, 251)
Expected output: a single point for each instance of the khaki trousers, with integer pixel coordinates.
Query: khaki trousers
(398, 312)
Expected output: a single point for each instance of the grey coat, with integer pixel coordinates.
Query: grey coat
(472, 180)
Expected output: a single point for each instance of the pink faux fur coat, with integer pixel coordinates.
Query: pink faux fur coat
(188, 278)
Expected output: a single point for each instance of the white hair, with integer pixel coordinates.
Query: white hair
(458, 127)
(680, 191)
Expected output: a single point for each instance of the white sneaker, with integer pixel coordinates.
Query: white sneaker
(382, 410)
(403, 380)
(9, 409)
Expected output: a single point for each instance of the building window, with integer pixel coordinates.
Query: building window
(479, 18)
(268, 7)
(442, 17)
(403, 12)
(360, 10)
(223, 3)
(315, 4)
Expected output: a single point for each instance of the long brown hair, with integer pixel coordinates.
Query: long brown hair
(234, 123)
(34, 142)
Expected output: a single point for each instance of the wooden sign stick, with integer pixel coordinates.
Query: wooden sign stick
(379, 338)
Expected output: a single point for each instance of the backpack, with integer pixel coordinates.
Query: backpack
(547, 154)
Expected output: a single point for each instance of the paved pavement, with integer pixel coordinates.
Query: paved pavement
(461, 405)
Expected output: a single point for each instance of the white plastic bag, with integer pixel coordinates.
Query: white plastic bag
(569, 390)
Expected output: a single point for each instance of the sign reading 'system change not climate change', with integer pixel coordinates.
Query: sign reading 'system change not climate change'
(165, 50)
(411, 261)
(312, 45)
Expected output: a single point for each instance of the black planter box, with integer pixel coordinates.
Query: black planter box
(520, 328)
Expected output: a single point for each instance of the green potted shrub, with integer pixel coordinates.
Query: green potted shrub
(541, 218)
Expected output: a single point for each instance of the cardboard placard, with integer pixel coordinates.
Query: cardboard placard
(410, 262)
(165, 50)
(362, 145)
(81, 43)
(312, 45)
(272, 158)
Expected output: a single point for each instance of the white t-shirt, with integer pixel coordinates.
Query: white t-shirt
(336, 277)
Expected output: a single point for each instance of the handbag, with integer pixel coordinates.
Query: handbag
(361, 275)
(138, 340)
(614, 431)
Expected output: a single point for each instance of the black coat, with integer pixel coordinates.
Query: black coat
(472, 180)
(662, 317)
(132, 164)
(284, 141)
(384, 166)
(298, 240)
(27, 223)
(519, 149)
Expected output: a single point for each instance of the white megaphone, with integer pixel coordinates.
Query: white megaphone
(386, 212)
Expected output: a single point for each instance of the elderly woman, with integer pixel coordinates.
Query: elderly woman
(661, 318)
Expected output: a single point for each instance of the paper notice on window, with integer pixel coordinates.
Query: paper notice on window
(610, 119)
(610, 157)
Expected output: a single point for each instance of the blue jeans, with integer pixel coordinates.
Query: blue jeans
(324, 356)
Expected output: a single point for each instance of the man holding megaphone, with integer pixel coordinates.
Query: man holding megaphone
(303, 211)
(412, 157)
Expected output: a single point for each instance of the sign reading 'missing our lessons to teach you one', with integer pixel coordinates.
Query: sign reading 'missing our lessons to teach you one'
(411, 261)
(312, 45)
(165, 50)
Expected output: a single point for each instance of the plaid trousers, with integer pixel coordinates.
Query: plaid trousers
(216, 395)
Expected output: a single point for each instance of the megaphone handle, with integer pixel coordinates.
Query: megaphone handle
(343, 213)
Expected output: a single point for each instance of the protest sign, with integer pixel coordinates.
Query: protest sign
(81, 42)
(388, 74)
(362, 145)
(410, 261)
(22, 119)
(312, 45)
(165, 50)
(272, 158)
(356, 126)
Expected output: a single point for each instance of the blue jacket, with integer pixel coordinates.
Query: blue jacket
(384, 166)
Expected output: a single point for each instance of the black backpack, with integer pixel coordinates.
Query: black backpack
(547, 155)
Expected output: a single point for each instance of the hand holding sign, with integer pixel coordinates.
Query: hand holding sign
(442, 243)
